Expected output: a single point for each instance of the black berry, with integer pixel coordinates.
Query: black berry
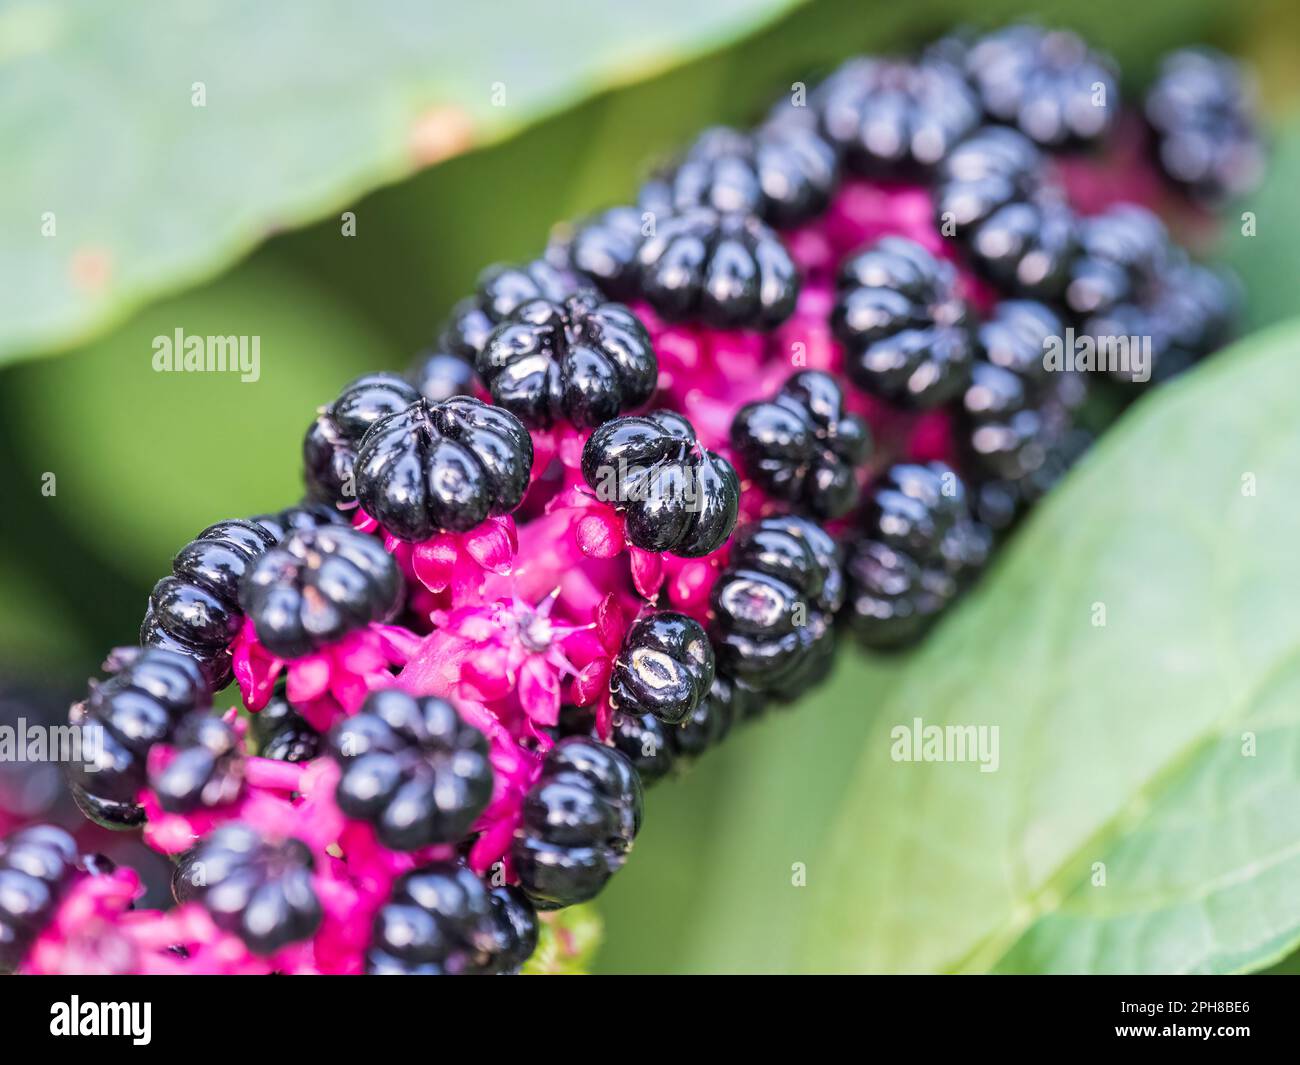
(501, 289)
(439, 375)
(674, 495)
(774, 603)
(905, 328)
(206, 769)
(258, 889)
(578, 823)
(1202, 111)
(991, 196)
(412, 769)
(281, 733)
(138, 706)
(802, 446)
(446, 466)
(728, 270)
(1046, 83)
(305, 515)
(37, 864)
(318, 585)
(665, 667)
(195, 611)
(580, 360)
(330, 447)
(603, 249)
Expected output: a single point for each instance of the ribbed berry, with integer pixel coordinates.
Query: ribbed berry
(1202, 111)
(305, 515)
(441, 920)
(992, 197)
(330, 447)
(438, 375)
(261, 890)
(412, 769)
(802, 447)
(782, 172)
(318, 585)
(500, 290)
(1121, 253)
(919, 546)
(893, 118)
(206, 769)
(727, 270)
(603, 247)
(582, 361)
(443, 467)
(281, 733)
(195, 611)
(665, 667)
(37, 864)
(774, 603)
(578, 823)
(905, 329)
(138, 706)
(674, 495)
(1046, 83)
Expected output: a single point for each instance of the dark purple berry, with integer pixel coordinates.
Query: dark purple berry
(281, 733)
(665, 667)
(412, 768)
(581, 361)
(439, 375)
(578, 823)
(37, 863)
(318, 585)
(603, 249)
(305, 515)
(674, 495)
(330, 446)
(904, 326)
(501, 290)
(206, 768)
(802, 446)
(447, 466)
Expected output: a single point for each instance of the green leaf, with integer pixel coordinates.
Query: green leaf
(162, 141)
(1145, 812)
(566, 942)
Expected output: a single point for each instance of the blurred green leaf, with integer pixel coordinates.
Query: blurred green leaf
(1145, 814)
(163, 140)
(156, 456)
(566, 942)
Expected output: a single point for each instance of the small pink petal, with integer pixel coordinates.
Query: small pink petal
(590, 682)
(647, 571)
(611, 624)
(309, 678)
(539, 691)
(600, 533)
(489, 545)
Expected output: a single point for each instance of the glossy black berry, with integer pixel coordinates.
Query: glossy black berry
(1202, 112)
(992, 197)
(1046, 83)
(443, 467)
(318, 585)
(205, 770)
(894, 118)
(582, 361)
(441, 920)
(665, 667)
(305, 515)
(783, 172)
(603, 249)
(195, 611)
(893, 600)
(412, 769)
(710, 722)
(578, 823)
(773, 604)
(260, 890)
(329, 449)
(802, 447)
(281, 733)
(673, 495)
(37, 864)
(439, 375)
(1015, 414)
(517, 930)
(121, 719)
(1121, 253)
(501, 289)
(905, 328)
(727, 270)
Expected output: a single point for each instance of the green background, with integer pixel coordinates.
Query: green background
(144, 460)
